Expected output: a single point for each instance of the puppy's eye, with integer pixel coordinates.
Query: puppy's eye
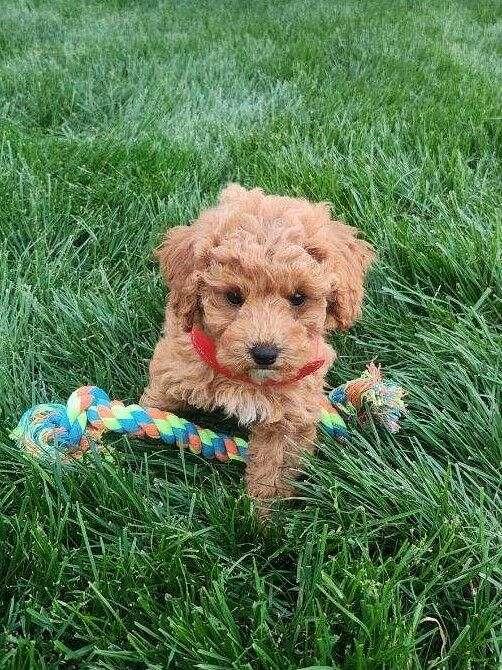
(297, 298)
(234, 298)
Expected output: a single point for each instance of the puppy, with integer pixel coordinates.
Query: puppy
(255, 285)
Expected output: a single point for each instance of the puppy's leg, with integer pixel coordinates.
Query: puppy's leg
(162, 390)
(156, 396)
(274, 453)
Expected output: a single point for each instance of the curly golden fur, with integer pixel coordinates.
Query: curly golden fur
(266, 249)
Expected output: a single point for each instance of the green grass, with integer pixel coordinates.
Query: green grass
(121, 118)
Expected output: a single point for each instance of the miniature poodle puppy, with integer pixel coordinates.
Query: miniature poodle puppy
(257, 281)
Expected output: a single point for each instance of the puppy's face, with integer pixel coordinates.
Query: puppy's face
(263, 300)
(265, 277)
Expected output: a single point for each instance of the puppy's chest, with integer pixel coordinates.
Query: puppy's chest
(254, 405)
(247, 406)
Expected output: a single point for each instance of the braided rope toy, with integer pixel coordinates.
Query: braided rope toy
(66, 432)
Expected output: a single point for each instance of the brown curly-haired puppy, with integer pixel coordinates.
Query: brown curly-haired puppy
(261, 278)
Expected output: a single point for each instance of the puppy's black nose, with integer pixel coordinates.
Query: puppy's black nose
(264, 354)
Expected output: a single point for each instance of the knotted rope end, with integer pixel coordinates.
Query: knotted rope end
(43, 432)
(370, 396)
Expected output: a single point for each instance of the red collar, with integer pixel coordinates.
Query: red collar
(206, 349)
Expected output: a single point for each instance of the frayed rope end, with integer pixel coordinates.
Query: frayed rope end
(369, 395)
(42, 432)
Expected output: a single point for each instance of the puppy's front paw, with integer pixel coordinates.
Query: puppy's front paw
(264, 497)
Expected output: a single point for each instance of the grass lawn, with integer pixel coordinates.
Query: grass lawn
(120, 118)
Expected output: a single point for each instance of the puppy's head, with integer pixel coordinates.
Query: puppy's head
(265, 277)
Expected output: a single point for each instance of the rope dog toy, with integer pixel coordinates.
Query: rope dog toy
(54, 431)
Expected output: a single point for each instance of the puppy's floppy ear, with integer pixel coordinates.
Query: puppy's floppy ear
(346, 258)
(178, 260)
